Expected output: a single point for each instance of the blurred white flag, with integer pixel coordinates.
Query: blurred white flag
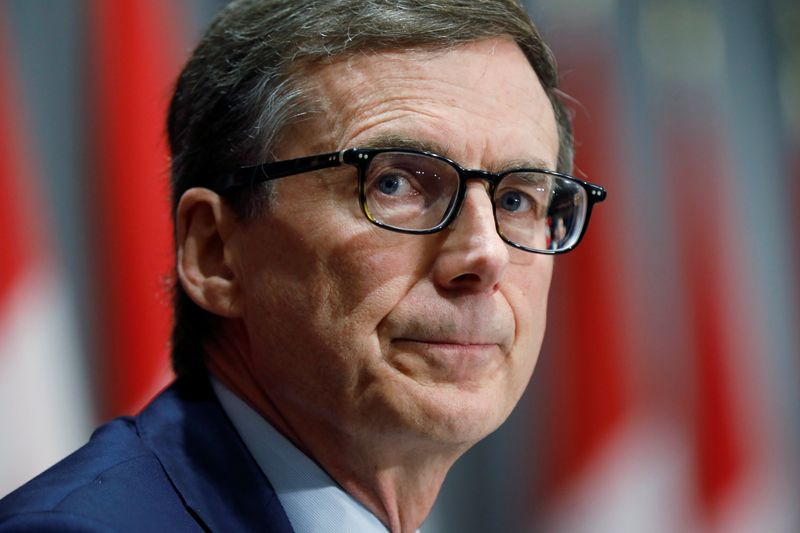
(44, 408)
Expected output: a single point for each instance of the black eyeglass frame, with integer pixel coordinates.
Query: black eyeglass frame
(361, 158)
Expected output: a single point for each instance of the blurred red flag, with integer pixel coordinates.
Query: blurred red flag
(137, 49)
(656, 413)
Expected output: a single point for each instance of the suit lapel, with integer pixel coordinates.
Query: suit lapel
(207, 462)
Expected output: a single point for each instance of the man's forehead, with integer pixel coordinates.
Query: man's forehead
(378, 98)
(365, 66)
(474, 53)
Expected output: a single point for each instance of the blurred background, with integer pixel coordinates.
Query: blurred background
(666, 396)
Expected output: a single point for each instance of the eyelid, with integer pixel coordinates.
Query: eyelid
(380, 170)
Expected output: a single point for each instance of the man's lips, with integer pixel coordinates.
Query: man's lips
(447, 360)
(438, 330)
(448, 343)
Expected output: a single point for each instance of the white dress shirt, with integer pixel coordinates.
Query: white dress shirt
(312, 500)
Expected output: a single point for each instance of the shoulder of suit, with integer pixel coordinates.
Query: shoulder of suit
(113, 483)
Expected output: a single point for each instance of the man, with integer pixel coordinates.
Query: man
(355, 308)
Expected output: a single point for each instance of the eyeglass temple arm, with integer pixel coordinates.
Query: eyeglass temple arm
(247, 176)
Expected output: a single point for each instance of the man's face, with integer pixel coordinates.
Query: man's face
(358, 330)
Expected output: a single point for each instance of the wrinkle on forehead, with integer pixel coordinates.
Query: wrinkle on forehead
(432, 94)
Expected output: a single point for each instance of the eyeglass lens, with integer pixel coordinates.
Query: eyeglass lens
(416, 192)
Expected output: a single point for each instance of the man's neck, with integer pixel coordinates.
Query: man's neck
(393, 476)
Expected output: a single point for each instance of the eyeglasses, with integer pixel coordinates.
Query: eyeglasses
(417, 192)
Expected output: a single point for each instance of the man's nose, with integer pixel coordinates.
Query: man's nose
(472, 257)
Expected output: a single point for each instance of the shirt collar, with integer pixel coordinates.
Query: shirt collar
(311, 499)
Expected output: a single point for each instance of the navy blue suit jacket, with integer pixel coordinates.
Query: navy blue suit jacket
(178, 466)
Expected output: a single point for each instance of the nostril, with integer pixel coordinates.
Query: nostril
(467, 278)
(472, 282)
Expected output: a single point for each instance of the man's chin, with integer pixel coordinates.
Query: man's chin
(452, 413)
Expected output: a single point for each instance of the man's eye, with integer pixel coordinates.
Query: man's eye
(514, 201)
(393, 185)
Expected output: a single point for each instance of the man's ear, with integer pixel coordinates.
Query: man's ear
(205, 226)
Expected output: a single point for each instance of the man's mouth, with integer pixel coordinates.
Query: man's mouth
(447, 360)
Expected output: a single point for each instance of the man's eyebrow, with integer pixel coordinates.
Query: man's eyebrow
(536, 163)
(394, 140)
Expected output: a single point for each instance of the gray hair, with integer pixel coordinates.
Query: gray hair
(244, 84)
